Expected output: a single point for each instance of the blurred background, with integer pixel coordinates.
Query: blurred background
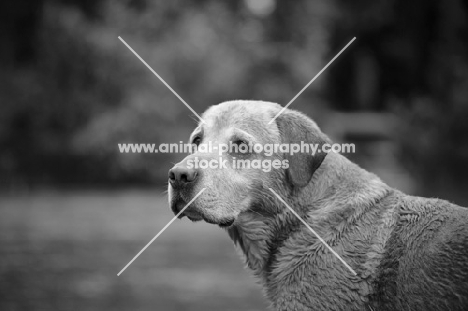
(74, 211)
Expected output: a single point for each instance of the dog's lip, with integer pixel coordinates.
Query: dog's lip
(195, 215)
(191, 214)
(177, 207)
(188, 212)
(226, 223)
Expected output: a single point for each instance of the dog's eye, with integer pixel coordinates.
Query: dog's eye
(242, 146)
(196, 140)
(239, 142)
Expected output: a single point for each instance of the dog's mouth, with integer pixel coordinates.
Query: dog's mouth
(191, 214)
(225, 223)
(194, 215)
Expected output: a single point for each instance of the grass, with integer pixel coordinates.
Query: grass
(62, 251)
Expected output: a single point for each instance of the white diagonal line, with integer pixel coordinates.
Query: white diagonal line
(313, 79)
(162, 80)
(315, 233)
(162, 230)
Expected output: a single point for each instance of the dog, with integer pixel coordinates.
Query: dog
(408, 253)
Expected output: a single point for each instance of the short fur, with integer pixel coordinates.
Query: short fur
(409, 253)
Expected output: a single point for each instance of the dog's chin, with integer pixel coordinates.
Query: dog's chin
(194, 214)
(194, 219)
(223, 223)
(227, 223)
(191, 214)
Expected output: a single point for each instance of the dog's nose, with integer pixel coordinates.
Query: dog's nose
(179, 175)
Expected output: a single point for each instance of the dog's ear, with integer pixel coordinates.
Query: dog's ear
(294, 128)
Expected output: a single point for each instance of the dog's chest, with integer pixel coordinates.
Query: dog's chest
(307, 273)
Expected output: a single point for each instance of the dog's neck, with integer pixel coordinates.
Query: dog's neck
(260, 235)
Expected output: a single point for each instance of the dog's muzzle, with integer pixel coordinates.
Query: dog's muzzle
(182, 179)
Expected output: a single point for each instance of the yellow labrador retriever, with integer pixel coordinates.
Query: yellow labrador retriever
(409, 253)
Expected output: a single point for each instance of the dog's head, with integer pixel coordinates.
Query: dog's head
(233, 170)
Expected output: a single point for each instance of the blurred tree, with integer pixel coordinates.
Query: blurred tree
(417, 52)
(51, 83)
(70, 91)
(209, 51)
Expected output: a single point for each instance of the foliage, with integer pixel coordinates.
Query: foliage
(70, 91)
(86, 92)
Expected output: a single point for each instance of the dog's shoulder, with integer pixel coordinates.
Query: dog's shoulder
(426, 257)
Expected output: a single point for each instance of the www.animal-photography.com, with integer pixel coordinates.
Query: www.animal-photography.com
(234, 155)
